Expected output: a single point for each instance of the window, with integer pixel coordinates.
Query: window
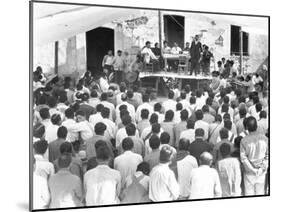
(235, 41)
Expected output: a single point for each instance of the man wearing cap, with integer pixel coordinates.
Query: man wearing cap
(163, 185)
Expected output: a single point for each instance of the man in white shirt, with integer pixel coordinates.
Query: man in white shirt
(189, 133)
(170, 104)
(82, 126)
(263, 123)
(201, 124)
(68, 122)
(109, 105)
(163, 185)
(43, 167)
(41, 194)
(148, 52)
(45, 117)
(102, 184)
(52, 129)
(111, 129)
(130, 107)
(127, 162)
(144, 105)
(176, 49)
(204, 181)
(95, 118)
(94, 99)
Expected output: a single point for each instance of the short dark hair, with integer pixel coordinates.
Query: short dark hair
(154, 141)
(157, 107)
(130, 94)
(227, 124)
(164, 138)
(69, 113)
(56, 119)
(218, 118)
(103, 96)
(263, 114)
(127, 144)
(226, 99)
(179, 106)
(126, 119)
(251, 124)
(144, 167)
(52, 101)
(130, 129)
(237, 142)
(99, 107)
(144, 113)
(184, 115)
(171, 94)
(199, 114)
(225, 149)
(192, 100)
(105, 112)
(85, 97)
(184, 144)
(242, 112)
(258, 107)
(205, 109)
(66, 147)
(224, 133)
(183, 95)
(94, 93)
(169, 115)
(40, 147)
(224, 108)
(145, 97)
(44, 113)
(80, 113)
(199, 132)
(100, 143)
(38, 130)
(155, 128)
(62, 132)
(190, 124)
(103, 153)
(165, 154)
(64, 161)
(153, 118)
(100, 128)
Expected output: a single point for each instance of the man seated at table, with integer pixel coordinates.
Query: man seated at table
(166, 48)
(187, 47)
(175, 50)
(149, 56)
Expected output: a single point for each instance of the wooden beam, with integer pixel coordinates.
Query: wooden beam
(56, 57)
(160, 28)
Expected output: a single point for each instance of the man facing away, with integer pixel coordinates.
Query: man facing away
(230, 172)
(102, 184)
(254, 157)
(205, 182)
(65, 188)
(163, 185)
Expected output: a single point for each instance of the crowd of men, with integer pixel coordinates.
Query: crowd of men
(116, 145)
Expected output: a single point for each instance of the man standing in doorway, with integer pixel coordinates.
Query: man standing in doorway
(195, 53)
(107, 63)
(119, 67)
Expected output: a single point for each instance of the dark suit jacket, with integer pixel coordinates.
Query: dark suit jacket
(195, 50)
(197, 147)
(54, 149)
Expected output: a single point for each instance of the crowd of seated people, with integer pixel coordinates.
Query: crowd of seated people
(99, 144)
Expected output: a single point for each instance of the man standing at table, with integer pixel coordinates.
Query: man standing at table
(195, 53)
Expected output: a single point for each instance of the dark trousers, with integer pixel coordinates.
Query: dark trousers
(195, 66)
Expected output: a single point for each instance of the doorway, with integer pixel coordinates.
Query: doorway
(98, 42)
(174, 30)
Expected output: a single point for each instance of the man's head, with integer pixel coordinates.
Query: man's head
(205, 109)
(225, 150)
(80, 116)
(251, 124)
(190, 124)
(148, 44)
(103, 153)
(64, 161)
(165, 154)
(153, 118)
(206, 159)
(175, 44)
(103, 96)
(242, 112)
(144, 114)
(131, 129)
(144, 168)
(62, 132)
(40, 147)
(196, 37)
(227, 124)
(69, 113)
(258, 107)
(192, 100)
(171, 94)
(224, 133)
(66, 148)
(179, 106)
(52, 102)
(187, 44)
(127, 144)
(164, 138)
(100, 128)
(184, 115)
(130, 94)
(169, 115)
(155, 128)
(56, 119)
(263, 115)
(184, 144)
(199, 114)
(105, 112)
(38, 130)
(110, 53)
(126, 119)
(157, 107)
(44, 113)
(199, 133)
(119, 53)
(154, 142)
(145, 97)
